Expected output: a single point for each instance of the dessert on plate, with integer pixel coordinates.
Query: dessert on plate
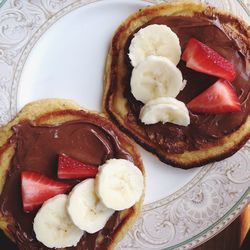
(178, 82)
(69, 178)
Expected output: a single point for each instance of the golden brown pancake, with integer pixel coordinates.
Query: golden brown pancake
(30, 141)
(208, 138)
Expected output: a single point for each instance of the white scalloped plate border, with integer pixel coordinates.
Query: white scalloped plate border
(198, 210)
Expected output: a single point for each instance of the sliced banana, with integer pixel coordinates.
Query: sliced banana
(156, 77)
(158, 40)
(165, 109)
(85, 208)
(119, 184)
(53, 226)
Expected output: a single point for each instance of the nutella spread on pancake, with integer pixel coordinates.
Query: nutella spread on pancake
(204, 128)
(37, 149)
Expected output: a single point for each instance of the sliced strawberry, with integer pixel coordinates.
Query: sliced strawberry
(37, 188)
(219, 98)
(69, 168)
(203, 59)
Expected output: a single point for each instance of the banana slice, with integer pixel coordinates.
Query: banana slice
(158, 40)
(85, 208)
(52, 225)
(119, 184)
(156, 77)
(165, 109)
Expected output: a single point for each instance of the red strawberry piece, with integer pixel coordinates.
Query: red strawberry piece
(203, 59)
(69, 168)
(219, 98)
(37, 188)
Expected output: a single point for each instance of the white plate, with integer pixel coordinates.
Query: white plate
(57, 48)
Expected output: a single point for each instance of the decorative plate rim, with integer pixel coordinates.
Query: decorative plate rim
(221, 224)
(196, 239)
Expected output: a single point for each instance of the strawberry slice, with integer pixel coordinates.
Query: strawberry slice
(203, 59)
(69, 168)
(219, 98)
(37, 188)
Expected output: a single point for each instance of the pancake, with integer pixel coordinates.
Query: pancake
(32, 141)
(209, 137)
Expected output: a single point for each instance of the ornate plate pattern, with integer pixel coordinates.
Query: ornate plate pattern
(186, 218)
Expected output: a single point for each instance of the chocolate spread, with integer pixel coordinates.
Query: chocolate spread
(204, 128)
(37, 149)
